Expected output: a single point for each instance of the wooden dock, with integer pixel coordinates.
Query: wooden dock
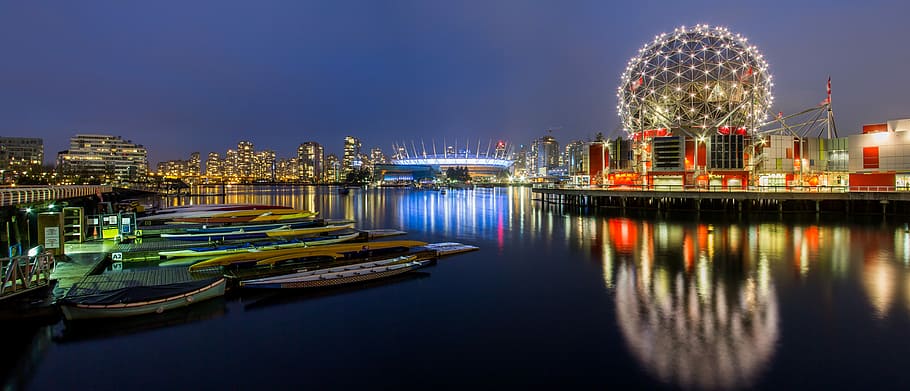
(738, 201)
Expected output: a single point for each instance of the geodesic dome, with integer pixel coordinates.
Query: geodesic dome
(699, 79)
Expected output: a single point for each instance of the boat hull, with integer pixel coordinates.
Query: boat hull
(315, 241)
(336, 279)
(80, 311)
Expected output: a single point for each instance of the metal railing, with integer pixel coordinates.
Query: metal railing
(18, 195)
(24, 272)
(728, 189)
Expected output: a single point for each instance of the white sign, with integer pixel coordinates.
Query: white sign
(125, 221)
(117, 256)
(117, 266)
(51, 237)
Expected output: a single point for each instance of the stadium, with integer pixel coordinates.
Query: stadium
(420, 161)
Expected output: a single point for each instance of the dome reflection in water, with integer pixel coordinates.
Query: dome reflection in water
(693, 311)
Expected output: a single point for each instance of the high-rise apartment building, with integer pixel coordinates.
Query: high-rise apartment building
(311, 157)
(21, 153)
(333, 170)
(214, 166)
(577, 158)
(103, 156)
(181, 168)
(545, 155)
(263, 167)
(244, 163)
(351, 153)
(377, 157)
(231, 172)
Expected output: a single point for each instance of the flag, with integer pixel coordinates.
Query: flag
(635, 84)
(828, 100)
(780, 114)
(746, 75)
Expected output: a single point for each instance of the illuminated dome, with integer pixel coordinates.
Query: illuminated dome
(695, 78)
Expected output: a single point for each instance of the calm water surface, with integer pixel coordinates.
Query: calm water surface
(555, 298)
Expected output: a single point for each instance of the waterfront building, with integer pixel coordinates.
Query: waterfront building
(544, 156)
(244, 164)
(104, 156)
(231, 173)
(263, 167)
(311, 157)
(577, 162)
(522, 166)
(351, 153)
(333, 170)
(287, 170)
(377, 157)
(21, 154)
(879, 158)
(214, 166)
(183, 169)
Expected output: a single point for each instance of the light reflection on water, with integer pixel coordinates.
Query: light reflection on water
(690, 317)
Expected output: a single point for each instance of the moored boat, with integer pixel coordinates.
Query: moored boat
(341, 275)
(255, 227)
(291, 232)
(259, 247)
(132, 301)
(238, 216)
(450, 248)
(236, 234)
(333, 251)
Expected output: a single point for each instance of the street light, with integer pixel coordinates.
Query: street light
(28, 227)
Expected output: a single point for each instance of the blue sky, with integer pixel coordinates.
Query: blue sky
(185, 76)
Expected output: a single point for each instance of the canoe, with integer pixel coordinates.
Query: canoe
(237, 234)
(255, 227)
(321, 278)
(282, 233)
(258, 247)
(271, 257)
(132, 301)
(194, 210)
(335, 269)
(244, 216)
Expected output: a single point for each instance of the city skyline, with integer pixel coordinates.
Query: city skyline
(283, 73)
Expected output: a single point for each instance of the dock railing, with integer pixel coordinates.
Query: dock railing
(730, 189)
(24, 272)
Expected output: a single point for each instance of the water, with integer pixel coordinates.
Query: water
(555, 298)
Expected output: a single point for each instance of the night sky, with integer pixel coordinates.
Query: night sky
(188, 76)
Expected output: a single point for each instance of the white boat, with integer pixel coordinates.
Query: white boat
(340, 275)
(132, 301)
(449, 248)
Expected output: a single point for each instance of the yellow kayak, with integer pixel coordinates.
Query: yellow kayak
(271, 257)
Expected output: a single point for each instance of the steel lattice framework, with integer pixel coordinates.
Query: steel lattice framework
(697, 80)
